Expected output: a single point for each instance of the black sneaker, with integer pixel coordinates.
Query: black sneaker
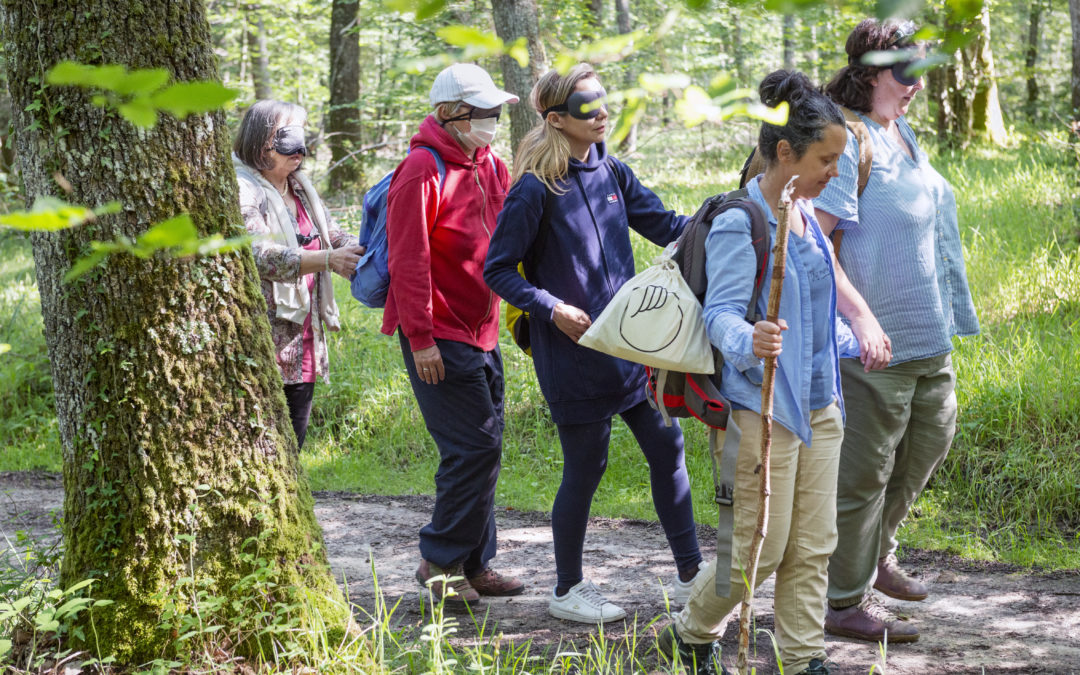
(816, 667)
(704, 659)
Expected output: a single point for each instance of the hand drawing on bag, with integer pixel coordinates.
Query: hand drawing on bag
(645, 332)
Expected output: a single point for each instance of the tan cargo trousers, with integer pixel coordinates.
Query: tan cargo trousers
(800, 537)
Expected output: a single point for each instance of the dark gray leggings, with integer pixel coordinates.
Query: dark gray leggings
(585, 452)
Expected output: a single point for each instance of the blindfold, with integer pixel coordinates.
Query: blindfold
(581, 105)
(290, 140)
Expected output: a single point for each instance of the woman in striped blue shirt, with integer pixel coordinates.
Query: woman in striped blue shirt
(901, 250)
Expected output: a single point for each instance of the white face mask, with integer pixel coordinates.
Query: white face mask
(483, 131)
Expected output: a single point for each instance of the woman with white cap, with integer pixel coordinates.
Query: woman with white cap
(439, 221)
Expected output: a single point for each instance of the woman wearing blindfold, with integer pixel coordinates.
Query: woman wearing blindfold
(901, 251)
(567, 218)
(297, 246)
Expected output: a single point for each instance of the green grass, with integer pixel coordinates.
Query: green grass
(28, 431)
(1009, 490)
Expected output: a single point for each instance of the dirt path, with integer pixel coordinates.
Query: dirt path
(981, 617)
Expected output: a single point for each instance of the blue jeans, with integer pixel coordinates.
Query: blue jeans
(464, 415)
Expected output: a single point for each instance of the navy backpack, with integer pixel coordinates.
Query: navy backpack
(371, 280)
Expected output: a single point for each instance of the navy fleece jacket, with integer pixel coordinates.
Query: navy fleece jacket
(576, 249)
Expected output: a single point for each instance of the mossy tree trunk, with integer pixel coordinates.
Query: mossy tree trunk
(178, 452)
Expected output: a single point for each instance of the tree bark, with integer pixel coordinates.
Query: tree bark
(1031, 58)
(177, 447)
(344, 119)
(986, 117)
(260, 58)
(515, 19)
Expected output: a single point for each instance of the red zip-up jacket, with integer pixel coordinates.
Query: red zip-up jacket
(437, 242)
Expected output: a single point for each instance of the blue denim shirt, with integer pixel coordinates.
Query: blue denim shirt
(730, 265)
(901, 247)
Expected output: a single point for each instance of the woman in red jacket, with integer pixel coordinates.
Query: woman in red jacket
(447, 320)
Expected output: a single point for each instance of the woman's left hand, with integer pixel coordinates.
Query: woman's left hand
(343, 260)
(875, 348)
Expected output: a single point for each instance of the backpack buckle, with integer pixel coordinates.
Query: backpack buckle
(725, 495)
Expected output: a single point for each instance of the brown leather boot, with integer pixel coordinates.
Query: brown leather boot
(895, 582)
(871, 621)
(457, 591)
(490, 582)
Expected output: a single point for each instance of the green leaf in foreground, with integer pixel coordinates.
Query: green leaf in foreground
(177, 236)
(139, 112)
(176, 231)
(185, 98)
(49, 214)
(422, 9)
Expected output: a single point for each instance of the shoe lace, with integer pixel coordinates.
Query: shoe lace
(591, 594)
(873, 607)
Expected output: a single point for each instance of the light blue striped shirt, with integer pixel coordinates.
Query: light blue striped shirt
(901, 246)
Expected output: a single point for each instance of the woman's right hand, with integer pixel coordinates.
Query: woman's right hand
(571, 320)
(768, 338)
(429, 364)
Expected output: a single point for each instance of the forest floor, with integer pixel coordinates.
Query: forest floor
(980, 617)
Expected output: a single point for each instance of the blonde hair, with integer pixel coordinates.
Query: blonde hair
(545, 152)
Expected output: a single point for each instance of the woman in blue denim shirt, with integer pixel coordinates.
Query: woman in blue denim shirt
(901, 249)
(808, 342)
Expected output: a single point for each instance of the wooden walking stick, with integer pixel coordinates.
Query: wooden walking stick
(779, 260)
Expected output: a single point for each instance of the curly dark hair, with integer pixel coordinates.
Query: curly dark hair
(809, 113)
(852, 86)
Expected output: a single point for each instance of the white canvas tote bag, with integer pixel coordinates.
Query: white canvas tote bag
(654, 319)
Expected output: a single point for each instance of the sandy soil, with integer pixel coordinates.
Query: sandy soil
(980, 617)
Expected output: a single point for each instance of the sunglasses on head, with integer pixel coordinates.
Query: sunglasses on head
(903, 34)
(581, 105)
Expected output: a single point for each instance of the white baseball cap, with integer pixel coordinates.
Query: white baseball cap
(471, 84)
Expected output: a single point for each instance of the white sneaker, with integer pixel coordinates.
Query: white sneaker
(679, 592)
(584, 603)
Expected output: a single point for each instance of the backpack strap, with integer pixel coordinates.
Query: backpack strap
(440, 166)
(866, 146)
(724, 460)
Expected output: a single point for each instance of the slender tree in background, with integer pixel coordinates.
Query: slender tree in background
(255, 34)
(624, 23)
(789, 42)
(1031, 57)
(594, 19)
(1074, 20)
(986, 117)
(742, 68)
(516, 19)
(178, 453)
(343, 126)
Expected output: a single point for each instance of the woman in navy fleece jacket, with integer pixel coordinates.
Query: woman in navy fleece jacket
(567, 219)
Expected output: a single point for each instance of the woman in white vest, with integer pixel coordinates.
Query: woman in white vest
(296, 248)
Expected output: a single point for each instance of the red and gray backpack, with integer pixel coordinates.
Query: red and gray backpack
(679, 394)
